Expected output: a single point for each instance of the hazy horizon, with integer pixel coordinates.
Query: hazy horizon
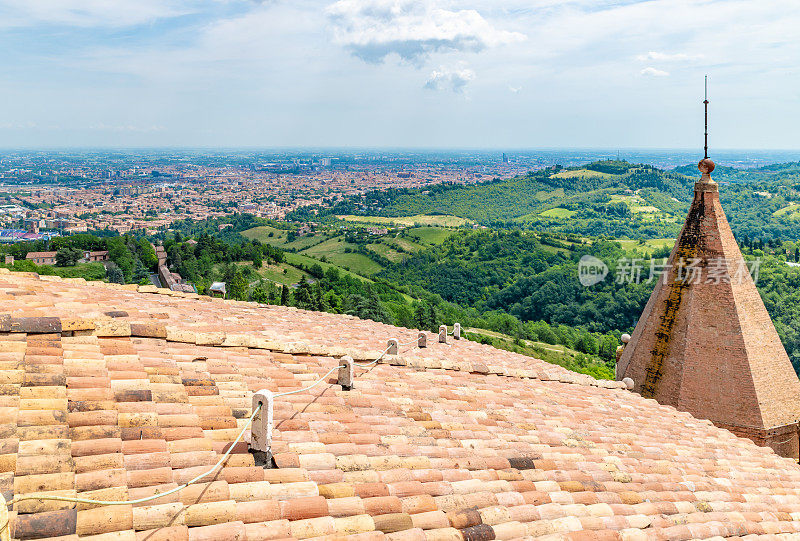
(354, 148)
(531, 158)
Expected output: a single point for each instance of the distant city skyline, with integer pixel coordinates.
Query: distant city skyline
(449, 74)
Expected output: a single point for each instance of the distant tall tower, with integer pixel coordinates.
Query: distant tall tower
(705, 342)
(505, 157)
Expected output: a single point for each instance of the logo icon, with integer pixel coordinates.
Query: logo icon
(591, 271)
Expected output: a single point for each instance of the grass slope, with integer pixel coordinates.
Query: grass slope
(558, 212)
(405, 244)
(554, 354)
(261, 233)
(628, 244)
(275, 273)
(429, 235)
(300, 259)
(582, 173)
(409, 221)
(385, 251)
(334, 251)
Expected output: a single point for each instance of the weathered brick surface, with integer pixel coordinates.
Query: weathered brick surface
(709, 347)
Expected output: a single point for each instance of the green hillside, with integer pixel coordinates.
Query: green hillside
(606, 198)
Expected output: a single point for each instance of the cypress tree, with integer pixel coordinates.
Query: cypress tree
(420, 317)
(285, 295)
(431, 317)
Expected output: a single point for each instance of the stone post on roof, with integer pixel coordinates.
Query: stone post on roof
(345, 378)
(261, 428)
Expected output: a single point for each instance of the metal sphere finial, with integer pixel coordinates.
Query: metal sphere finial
(706, 165)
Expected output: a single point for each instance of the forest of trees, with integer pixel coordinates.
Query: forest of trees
(198, 262)
(517, 285)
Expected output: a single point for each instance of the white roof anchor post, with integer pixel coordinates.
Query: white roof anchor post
(346, 372)
(261, 429)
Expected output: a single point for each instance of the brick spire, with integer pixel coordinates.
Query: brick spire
(705, 342)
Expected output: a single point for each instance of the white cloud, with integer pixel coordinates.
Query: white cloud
(650, 71)
(653, 72)
(375, 29)
(450, 79)
(666, 57)
(515, 89)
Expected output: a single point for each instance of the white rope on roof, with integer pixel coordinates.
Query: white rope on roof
(385, 351)
(17, 499)
(320, 380)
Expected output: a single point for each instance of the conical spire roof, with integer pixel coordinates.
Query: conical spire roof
(705, 342)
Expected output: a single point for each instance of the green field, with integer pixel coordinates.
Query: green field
(406, 244)
(635, 203)
(409, 221)
(278, 237)
(275, 273)
(555, 250)
(791, 211)
(582, 173)
(385, 251)
(558, 212)
(334, 251)
(430, 235)
(542, 195)
(301, 243)
(300, 259)
(630, 200)
(628, 244)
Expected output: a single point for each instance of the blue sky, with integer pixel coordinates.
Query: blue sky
(410, 73)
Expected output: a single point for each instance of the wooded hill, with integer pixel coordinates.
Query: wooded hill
(612, 198)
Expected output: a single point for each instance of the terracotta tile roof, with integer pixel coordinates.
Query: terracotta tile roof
(111, 394)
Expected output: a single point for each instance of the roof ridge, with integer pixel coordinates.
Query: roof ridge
(112, 327)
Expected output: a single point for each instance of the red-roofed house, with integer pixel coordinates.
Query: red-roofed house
(42, 258)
